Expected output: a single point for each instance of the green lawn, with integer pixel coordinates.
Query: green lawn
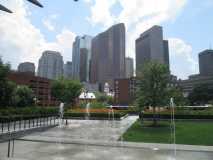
(192, 133)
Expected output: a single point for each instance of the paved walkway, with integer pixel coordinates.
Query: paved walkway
(97, 140)
(103, 130)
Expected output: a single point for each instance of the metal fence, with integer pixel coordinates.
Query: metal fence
(9, 125)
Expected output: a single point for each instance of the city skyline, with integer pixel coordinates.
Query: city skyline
(108, 56)
(55, 27)
(151, 46)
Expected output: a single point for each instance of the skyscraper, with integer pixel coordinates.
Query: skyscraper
(151, 46)
(129, 67)
(206, 62)
(83, 64)
(79, 44)
(68, 70)
(50, 65)
(26, 67)
(108, 56)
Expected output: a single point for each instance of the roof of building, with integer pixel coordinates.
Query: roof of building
(88, 95)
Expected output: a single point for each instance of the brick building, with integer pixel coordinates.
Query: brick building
(40, 86)
(125, 90)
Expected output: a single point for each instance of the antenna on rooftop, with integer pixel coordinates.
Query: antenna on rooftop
(210, 46)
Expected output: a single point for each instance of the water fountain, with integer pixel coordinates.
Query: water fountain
(61, 114)
(111, 114)
(87, 111)
(173, 131)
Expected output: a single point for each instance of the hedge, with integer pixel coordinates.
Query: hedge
(30, 111)
(179, 116)
(93, 115)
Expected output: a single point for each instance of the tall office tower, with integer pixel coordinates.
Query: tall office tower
(26, 67)
(206, 63)
(83, 64)
(108, 56)
(151, 46)
(50, 65)
(129, 67)
(81, 43)
(68, 70)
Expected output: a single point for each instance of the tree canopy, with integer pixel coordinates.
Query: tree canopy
(201, 94)
(6, 87)
(23, 96)
(153, 85)
(65, 90)
(177, 94)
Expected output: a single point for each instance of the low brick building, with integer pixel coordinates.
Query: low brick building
(125, 90)
(40, 86)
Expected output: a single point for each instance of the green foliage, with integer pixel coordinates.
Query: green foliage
(28, 111)
(23, 96)
(184, 114)
(177, 94)
(132, 110)
(65, 90)
(187, 132)
(201, 95)
(98, 105)
(6, 87)
(94, 105)
(103, 98)
(153, 82)
(153, 86)
(93, 115)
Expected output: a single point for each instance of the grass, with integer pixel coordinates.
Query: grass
(191, 133)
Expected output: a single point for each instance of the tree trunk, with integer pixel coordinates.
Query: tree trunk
(154, 117)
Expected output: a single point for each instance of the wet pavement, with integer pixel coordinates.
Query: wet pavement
(93, 140)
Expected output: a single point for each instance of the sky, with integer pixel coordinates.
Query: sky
(30, 30)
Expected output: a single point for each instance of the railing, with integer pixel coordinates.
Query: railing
(9, 124)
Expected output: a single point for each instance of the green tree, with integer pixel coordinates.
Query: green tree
(23, 96)
(177, 94)
(6, 87)
(65, 90)
(153, 86)
(103, 98)
(202, 94)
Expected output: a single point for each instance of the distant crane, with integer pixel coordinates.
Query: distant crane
(36, 2)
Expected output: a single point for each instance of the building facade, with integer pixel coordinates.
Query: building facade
(206, 62)
(26, 67)
(50, 65)
(205, 76)
(150, 46)
(193, 81)
(83, 64)
(125, 91)
(108, 56)
(80, 46)
(41, 87)
(129, 67)
(68, 70)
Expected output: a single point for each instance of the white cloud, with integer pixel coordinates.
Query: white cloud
(88, 1)
(49, 22)
(138, 16)
(134, 12)
(21, 41)
(100, 12)
(182, 60)
(63, 44)
(142, 14)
